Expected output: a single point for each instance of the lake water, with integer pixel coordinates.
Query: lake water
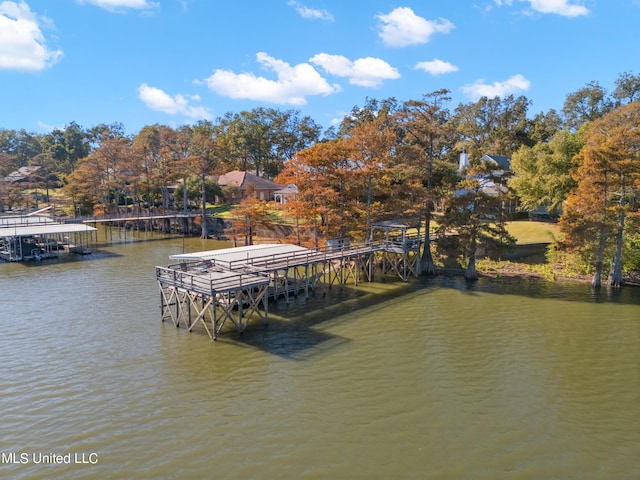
(439, 379)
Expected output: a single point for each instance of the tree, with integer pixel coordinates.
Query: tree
(66, 146)
(585, 105)
(425, 124)
(627, 88)
(160, 166)
(112, 161)
(247, 216)
(542, 173)
(203, 152)
(370, 149)
(544, 126)
(474, 218)
(492, 126)
(18, 148)
(322, 174)
(194, 190)
(608, 181)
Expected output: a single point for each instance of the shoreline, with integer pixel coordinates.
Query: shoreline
(523, 270)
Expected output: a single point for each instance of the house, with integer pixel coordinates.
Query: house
(285, 194)
(246, 184)
(503, 163)
(494, 184)
(22, 174)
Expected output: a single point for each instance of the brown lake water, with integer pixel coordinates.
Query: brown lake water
(504, 378)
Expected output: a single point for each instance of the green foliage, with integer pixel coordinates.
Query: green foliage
(473, 223)
(586, 105)
(194, 191)
(542, 173)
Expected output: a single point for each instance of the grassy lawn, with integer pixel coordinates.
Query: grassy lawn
(533, 232)
(221, 211)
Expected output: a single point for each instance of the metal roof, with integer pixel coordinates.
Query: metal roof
(236, 254)
(47, 229)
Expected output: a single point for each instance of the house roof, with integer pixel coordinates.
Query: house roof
(288, 190)
(21, 174)
(500, 160)
(241, 179)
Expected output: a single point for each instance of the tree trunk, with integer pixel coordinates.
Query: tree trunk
(426, 261)
(204, 206)
(615, 277)
(471, 272)
(596, 281)
(184, 194)
(597, 276)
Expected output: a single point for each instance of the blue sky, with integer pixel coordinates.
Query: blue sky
(173, 62)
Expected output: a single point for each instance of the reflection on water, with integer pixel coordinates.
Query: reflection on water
(428, 379)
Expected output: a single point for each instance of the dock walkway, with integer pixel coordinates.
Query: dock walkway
(236, 284)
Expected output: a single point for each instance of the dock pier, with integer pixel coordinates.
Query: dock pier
(235, 285)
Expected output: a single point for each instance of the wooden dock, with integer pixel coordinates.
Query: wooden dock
(173, 222)
(236, 284)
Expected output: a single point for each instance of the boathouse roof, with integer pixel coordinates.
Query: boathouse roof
(45, 229)
(238, 254)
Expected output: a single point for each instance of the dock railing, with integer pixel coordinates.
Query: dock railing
(196, 280)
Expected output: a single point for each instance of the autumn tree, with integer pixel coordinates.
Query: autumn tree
(154, 147)
(370, 148)
(608, 181)
(322, 174)
(425, 123)
(203, 154)
(246, 217)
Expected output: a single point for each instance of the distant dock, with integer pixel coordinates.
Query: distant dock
(179, 223)
(37, 237)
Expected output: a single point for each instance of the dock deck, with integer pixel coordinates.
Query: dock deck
(236, 283)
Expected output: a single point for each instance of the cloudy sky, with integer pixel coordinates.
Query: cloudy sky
(141, 62)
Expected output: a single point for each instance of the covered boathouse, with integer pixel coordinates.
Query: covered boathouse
(234, 285)
(36, 237)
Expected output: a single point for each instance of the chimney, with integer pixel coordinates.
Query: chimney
(464, 161)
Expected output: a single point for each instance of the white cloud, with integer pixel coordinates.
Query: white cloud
(403, 27)
(22, 44)
(156, 99)
(292, 86)
(514, 84)
(120, 5)
(561, 7)
(436, 67)
(566, 8)
(364, 72)
(311, 13)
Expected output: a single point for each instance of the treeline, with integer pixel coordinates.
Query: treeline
(386, 160)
